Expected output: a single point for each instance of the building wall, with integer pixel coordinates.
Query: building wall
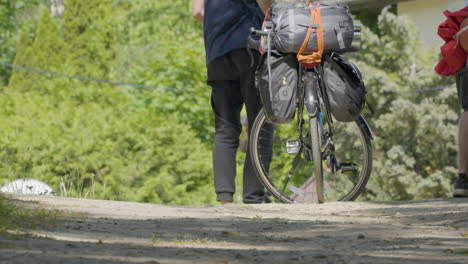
(455, 5)
(428, 14)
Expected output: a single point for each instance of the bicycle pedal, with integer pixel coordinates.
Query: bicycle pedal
(348, 168)
(293, 146)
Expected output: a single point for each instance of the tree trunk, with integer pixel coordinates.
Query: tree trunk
(56, 8)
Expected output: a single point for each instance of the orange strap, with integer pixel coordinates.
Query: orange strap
(315, 18)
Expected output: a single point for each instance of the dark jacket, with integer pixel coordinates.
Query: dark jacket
(227, 24)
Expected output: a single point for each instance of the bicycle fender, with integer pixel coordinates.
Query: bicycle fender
(311, 100)
(363, 123)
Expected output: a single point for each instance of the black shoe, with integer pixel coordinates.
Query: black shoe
(461, 186)
(267, 199)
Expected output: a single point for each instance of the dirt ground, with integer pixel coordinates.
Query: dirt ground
(429, 232)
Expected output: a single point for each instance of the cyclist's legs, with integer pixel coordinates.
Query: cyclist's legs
(463, 144)
(462, 87)
(233, 82)
(253, 188)
(226, 102)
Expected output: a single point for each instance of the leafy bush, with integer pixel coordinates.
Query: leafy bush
(97, 140)
(415, 143)
(14, 16)
(114, 153)
(160, 44)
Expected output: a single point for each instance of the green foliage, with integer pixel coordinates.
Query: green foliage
(110, 152)
(6, 209)
(90, 37)
(7, 33)
(25, 53)
(415, 145)
(15, 16)
(161, 44)
(95, 140)
(46, 52)
(48, 46)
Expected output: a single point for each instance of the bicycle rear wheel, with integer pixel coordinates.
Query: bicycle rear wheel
(284, 161)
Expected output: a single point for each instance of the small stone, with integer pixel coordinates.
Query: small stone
(361, 236)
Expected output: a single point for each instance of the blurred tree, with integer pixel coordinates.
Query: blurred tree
(7, 32)
(95, 140)
(24, 57)
(89, 36)
(415, 145)
(89, 33)
(46, 53)
(15, 16)
(102, 152)
(161, 44)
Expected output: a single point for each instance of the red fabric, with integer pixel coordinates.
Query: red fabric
(453, 55)
(463, 38)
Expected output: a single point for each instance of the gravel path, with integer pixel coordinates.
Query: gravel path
(429, 232)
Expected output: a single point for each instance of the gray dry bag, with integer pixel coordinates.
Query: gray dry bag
(292, 20)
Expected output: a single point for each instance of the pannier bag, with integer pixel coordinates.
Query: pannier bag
(276, 80)
(345, 89)
(292, 20)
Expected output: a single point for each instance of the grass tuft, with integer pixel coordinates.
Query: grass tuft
(13, 216)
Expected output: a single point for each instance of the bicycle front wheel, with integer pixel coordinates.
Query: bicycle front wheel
(288, 162)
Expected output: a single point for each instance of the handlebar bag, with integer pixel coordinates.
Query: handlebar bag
(291, 21)
(277, 86)
(345, 89)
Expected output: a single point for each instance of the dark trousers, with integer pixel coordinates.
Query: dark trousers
(233, 85)
(462, 87)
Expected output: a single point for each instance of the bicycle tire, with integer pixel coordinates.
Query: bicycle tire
(264, 156)
(315, 137)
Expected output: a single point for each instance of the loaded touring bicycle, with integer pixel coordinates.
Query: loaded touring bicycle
(310, 142)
